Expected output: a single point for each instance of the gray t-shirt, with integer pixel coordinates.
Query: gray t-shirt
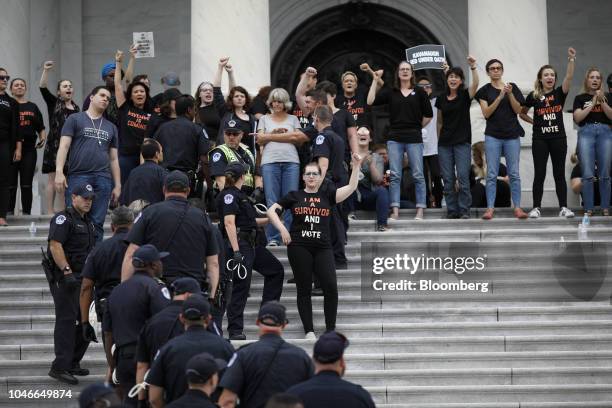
(91, 144)
(275, 152)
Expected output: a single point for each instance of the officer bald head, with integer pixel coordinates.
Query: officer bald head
(176, 183)
(148, 259)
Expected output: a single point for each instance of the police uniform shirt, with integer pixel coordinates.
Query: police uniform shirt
(162, 327)
(218, 162)
(291, 366)
(328, 390)
(131, 304)
(103, 265)
(75, 234)
(168, 369)
(191, 244)
(329, 145)
(192, 399)
(145, 182)
(183, 142)
(231, 201)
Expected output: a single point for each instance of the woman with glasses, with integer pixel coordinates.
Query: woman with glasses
(10, 142)
(549, 137)
(501, 103)
(207, 114)
(592, 113)
(409, 112)
(59, 107)
(309, 246)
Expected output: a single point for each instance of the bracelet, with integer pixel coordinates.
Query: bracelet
(571, 59)
(473, 68)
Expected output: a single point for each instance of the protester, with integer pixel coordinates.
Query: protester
(455, 138)
(353, 98)
(260, 106)
(549, 137)
(207, 114)
(431, 165)
(31, 127)
(309, 242)
(500, 103)
(10, 143)
(478, 180)
(59, 107)
(409, 112)
(592, 113)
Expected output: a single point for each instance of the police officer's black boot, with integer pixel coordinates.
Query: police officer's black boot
(63, 376)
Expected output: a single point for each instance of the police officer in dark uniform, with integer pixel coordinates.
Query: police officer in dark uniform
(128, 308)
(328, 152)
(146, 182)
(327, 389)
(239, 223)
(168, 370)
(202, 373)
(182, 230)
(102, 271)
(266, 367)
(71, 238)
(185, 143)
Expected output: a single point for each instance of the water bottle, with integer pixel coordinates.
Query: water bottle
(583, 227)
(586, 220)
(32, 229)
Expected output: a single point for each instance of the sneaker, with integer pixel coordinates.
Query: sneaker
(520, 214)
(237, 336)
(465, 216)
(273, 243)
(382, 228)
(566, 212)
(63, 376)
(535, 213)
(310, 336)
(488, 215)
(352, 216)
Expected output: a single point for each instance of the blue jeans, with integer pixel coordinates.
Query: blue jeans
(127, 163)
(595, 145)
(279, 179)
(511, 149)
(103, 186)
(375, 199)
(456, 158)
(396, 159)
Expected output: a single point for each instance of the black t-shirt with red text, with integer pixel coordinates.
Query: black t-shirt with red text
(548, 114)
(355, 105)
(597, 115)
(133, 124)
(311, 216)
(30, 123)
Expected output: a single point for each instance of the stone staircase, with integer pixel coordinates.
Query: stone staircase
(438, 351)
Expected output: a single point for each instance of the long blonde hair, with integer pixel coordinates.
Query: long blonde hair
(538, 89)
(585, 85)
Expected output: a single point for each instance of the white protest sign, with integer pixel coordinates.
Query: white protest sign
(146, 46)
(426, 56)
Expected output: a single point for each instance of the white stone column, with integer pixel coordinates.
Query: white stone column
(235, 28)
(15, 35)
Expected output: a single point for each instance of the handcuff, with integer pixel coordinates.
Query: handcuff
(238, 267)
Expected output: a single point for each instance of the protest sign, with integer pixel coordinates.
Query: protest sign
(146, 46)
(426, 56)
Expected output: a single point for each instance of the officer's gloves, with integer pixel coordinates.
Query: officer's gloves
(89, 333)
(238, 258)
(69, 282)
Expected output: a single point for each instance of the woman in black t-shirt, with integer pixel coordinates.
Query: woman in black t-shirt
(207, 113)
(59, 107)
(592, 112)
(132, 120)
(31, 127)
(455, 130)
(10, 142)
(309, 243)
(549, 133)
(501, 103)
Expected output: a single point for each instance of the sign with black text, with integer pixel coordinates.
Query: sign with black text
(426, 56)
(146, 46)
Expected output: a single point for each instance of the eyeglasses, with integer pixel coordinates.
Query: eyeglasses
(312, 174)
(405, 69)
(424, 85)
(495, 68)
(4, 77)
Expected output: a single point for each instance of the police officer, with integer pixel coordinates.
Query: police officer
(102, 270)
(71, 238)
(328, 152)
(185, 143)
(128, 308)
(266, 367)
(182, 230)
(238, 222)
(202, 373)
(146, 182)
(327, 389)
(168, 369)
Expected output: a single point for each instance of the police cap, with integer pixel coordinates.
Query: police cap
(147, 254)
(231, 126)
(185, 285)
(330, 347)
(195, 307)
(176, 178)
(84, 190)
(93, 393)
(272, 314)
(202, 366)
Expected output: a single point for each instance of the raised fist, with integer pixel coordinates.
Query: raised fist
(48, 65)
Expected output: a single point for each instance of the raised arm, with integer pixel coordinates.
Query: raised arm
(231, 80)
(119, 95)
(129, 71)
(473, 68)
(217, 78)
(569, 72)
(344, 192)
(377, 82)
(44, 78)
(307, 82)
